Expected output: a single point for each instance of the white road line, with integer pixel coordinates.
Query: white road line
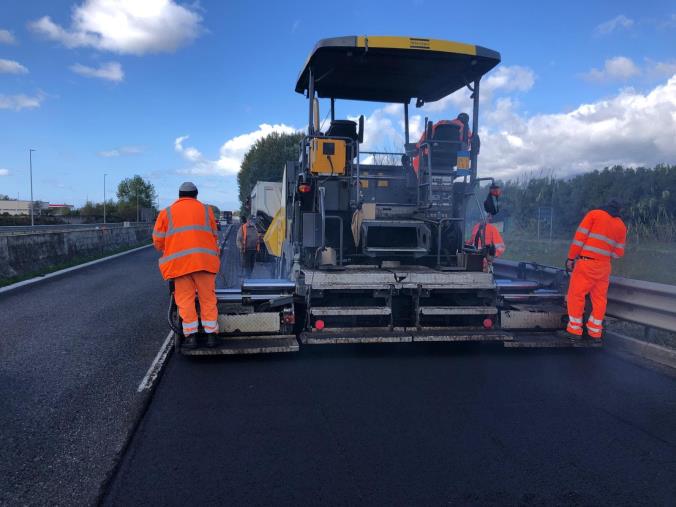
(68, 270)
(157, 364)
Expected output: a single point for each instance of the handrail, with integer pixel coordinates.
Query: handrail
(648, 303)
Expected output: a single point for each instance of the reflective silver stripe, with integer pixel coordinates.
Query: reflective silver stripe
(594, 329)
(189, 251)
(209, 322)
(499, 245)
(170, 223)
(583, 230)
(597, 250)
(573, 326)
(578, 243)
(190, 228)
(595, 321)
(615, 256)
(606, 239)
(575, 319)
(190, 324)
(159, 234)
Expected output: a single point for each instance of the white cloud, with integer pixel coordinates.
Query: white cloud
(126, 26)
(661, 69)
(21, 101)
(629, 129)
(618, 68)
(231, 152)
(6, 37)
(12, 67)
(121, 152)
(507, 78)
(618, 22)
(4, 172)
(110, 71)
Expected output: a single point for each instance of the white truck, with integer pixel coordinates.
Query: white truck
(266, 199)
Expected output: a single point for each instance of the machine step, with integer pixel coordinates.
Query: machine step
(349, 311)
(261, 344)
(457, 310)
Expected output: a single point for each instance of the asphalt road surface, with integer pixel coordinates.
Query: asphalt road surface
(410, 424)
(72, 354)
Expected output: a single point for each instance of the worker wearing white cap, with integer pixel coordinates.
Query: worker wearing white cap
(186, 234)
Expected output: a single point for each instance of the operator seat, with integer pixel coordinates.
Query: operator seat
(345, 129)
(445, 153)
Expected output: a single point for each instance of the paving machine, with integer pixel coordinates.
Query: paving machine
(371, 246)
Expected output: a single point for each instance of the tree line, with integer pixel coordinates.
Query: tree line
(648, 195)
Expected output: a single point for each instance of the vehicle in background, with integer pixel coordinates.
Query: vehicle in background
(265, 201)
(226, 216)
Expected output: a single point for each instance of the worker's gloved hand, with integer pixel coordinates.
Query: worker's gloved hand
(570, 265)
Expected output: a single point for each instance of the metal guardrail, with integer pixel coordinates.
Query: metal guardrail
(9, 230)
(648, 303)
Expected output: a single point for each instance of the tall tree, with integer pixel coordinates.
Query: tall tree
(130, 189)
(265, 161)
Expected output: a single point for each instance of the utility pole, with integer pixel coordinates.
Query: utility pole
(30, 164)
(137, 204)
(104, 197)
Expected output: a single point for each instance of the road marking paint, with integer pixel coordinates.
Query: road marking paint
(157, 364)
(31, 281)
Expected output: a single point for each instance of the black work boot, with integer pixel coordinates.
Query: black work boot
(190, 341)
(212, 340)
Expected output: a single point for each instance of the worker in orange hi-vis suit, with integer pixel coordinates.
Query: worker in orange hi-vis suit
(186, 234)
(492, 234)
(599, 238)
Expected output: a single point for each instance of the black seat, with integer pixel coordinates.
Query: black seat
(348, 129)
(445, 152)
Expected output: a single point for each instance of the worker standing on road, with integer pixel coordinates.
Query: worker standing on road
(600, 237)
(186, 234)
(248, 244)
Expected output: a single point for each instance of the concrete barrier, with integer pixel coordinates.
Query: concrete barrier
(23, 254)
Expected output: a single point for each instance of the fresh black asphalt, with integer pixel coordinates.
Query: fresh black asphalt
(410, 424)
(72, 354)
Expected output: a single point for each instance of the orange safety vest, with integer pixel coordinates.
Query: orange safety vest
(186, 234)
(599, 236)
(244, 228)
(493, 237)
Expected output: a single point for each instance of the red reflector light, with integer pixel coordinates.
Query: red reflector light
(289, 318)
(319, 325)
(304, 188)
(488, 323)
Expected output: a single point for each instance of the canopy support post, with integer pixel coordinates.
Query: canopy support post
(406, 140)
(311, 96)
(475, 130)
(333, 109)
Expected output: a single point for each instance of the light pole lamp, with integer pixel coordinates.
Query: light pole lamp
(104, 197)
(30, 165)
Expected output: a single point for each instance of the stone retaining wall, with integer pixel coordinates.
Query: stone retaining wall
(23, 254)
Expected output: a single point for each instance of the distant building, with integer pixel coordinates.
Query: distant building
(17, 207)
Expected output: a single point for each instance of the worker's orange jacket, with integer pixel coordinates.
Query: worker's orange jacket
(187, 236)
(493, 237)
(465, 138)
(599, 236)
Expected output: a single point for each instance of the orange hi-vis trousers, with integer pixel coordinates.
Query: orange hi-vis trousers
(203, 284)
(591, 277)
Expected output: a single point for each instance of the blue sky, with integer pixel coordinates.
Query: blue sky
(581, 85)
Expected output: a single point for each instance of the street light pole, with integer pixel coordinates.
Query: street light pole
(137, 204)
(104, 197)
(30, 164)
